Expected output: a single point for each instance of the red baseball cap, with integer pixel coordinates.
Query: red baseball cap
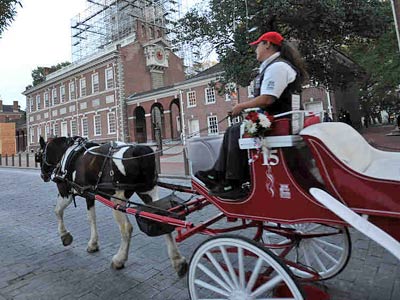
(270, 36)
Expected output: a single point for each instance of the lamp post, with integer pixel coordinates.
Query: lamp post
(183, 132)
(396, 16)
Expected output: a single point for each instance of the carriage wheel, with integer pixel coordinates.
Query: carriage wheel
(323, 250)
(233, 267)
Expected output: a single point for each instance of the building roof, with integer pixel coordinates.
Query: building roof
(215, 69)
(155, 91)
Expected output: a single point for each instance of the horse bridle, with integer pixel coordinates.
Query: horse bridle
(41, 157)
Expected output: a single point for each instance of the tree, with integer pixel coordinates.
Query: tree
(381, 60)
(39, 74)
(319, 27)
(8, 11)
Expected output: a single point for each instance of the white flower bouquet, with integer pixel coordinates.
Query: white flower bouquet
(257, 123)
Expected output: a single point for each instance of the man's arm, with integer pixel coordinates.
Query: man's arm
(260, 101)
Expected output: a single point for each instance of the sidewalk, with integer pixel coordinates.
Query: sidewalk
(172, 161)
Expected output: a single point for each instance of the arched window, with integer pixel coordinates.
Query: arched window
(151, 33)
(175, 119)
(157, 119)
(143, 31)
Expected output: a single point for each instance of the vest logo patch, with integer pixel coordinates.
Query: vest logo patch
(271, 85)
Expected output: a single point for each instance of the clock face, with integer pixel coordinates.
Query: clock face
(159, 54)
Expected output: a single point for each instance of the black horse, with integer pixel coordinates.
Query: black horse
(117, 169)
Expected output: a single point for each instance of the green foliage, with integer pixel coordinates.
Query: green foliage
(39, 74)
(8, 11)
(381, 60)
(320, 28)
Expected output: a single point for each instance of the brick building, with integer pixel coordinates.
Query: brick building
(87, 98)
(204, 110)
(12, 114)
(129, 91)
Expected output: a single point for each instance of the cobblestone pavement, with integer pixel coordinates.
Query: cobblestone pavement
(35, 265)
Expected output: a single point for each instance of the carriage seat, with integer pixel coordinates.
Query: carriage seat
(353, 150)
(203, 152)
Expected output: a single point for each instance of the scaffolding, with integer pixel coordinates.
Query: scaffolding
(107, 22)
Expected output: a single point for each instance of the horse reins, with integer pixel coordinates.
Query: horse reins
(148, 154)
(109, 155)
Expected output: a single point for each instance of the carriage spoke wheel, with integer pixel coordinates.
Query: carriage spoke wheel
(322, 249)
(236, 268)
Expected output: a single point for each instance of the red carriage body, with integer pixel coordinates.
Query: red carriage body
(365, 182)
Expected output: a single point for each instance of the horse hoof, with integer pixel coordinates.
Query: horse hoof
(118, 266)
(92, 249)
(183, 268)
(67, 239)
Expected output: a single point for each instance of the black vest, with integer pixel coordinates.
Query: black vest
(284, 103)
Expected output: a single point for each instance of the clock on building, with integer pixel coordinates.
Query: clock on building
(159, 54)
(156, 55)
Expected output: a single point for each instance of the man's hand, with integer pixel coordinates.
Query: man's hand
(260, 101)
(237, 109)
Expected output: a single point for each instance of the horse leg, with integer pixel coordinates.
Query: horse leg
(178, 261)
(62, 203)
(125, 228)
(93, 244)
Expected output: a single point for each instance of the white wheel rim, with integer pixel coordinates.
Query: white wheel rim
(208, 279)
(325, 255)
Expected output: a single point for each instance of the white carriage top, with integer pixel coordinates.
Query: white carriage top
(351, 148)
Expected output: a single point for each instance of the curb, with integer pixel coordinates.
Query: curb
(384, 148)
(20, 168)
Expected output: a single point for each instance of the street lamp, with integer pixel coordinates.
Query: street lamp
(183, 132)
(396, 16)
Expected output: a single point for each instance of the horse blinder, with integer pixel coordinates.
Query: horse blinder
(39, 157)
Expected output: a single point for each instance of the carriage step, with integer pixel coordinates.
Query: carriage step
(356, 221)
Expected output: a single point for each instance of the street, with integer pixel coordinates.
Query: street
(35, 265)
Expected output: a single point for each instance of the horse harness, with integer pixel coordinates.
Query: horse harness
(61, 174)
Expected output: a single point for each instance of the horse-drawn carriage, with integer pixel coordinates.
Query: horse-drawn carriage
(306, 190)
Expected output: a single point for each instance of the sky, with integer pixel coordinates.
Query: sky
(40, 35)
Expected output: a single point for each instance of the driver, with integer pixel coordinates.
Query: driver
(281, 73)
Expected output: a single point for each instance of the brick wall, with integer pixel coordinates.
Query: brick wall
(157, 79)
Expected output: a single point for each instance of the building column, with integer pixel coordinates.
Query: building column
(122, 116)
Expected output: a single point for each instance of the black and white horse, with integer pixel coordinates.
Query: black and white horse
(117, 169)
